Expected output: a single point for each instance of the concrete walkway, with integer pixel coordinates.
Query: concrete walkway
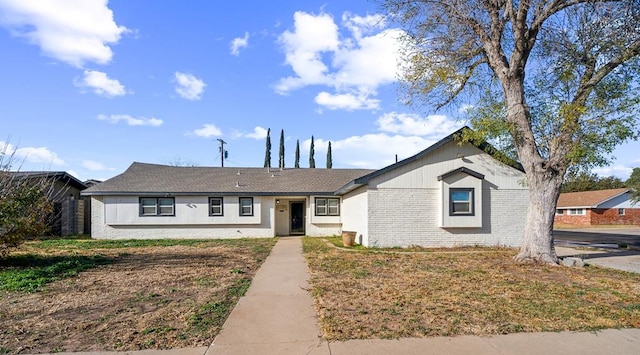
(277, 316)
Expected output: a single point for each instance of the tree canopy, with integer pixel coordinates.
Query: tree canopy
(633, 182)
(587, 181)
(554, 79)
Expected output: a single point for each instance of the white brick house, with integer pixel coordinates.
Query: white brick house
(450, 194)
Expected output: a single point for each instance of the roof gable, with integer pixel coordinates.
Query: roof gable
(484, 146)
(588, 199)
(467, 171)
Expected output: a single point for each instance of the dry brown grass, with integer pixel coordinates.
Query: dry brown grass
(147, 297)
(365, 294)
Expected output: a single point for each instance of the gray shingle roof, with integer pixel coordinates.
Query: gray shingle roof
(147, 179)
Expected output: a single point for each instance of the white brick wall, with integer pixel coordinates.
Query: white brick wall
(405, 217)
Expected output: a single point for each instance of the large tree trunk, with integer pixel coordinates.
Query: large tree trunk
(543, 178)
(537, 245)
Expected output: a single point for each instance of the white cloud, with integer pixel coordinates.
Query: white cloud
(32, 154)
(72, 31)
(208, 130)
(347, 102)
(258, 133)
(401, 134)
(620, 171)
(94, 165)
(239, 42)
(412, 124)
(354, 62)
(370, 151)
(303, 48)
(189, 87)
(101, 84)
(131, 121)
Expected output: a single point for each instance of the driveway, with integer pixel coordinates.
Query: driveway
(606, 244)
(598, 237)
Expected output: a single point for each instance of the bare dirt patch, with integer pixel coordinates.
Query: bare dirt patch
(368, 294)
(148, 297)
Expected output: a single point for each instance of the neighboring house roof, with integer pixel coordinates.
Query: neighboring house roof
(484, 146)
(92, 182)
(153, 179)
(62, 176)
(588, 199)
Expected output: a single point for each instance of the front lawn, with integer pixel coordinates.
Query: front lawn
(365, 294)
(90, 295)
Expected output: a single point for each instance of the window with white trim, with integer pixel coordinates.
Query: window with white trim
(157, 206)
(576, 211)
(327, 206)
(216, 206)
(620, 211)
(461, 202)
(559, 212)
(246, 206)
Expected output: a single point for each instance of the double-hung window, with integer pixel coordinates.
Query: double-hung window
(216, 206)
(157, 206)
(576, 212)
(246, 206)
(327, 206)
(461, 202)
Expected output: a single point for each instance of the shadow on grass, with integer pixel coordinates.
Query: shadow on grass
(29, 273)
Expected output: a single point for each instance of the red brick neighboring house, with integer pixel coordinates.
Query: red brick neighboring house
(588, 208)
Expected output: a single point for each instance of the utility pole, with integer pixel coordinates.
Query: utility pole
(223, 153)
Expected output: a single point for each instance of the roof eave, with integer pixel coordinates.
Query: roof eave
(212, 193)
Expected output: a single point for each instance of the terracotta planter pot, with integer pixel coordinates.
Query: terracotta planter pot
(348, 238)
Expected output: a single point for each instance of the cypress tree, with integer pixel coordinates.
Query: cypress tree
(312, 151)
(297, 163)
(281, 153)
(329, 157)
(267, 153)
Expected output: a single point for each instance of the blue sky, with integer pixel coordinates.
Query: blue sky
(89, 87)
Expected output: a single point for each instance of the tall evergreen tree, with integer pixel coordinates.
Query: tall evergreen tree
(329, 157)
(312, 151)
(281, 153)
(267, 153)
(297, 163)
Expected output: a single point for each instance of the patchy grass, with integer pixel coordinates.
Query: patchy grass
(364, 295)
(31, 272)
(83, 295)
